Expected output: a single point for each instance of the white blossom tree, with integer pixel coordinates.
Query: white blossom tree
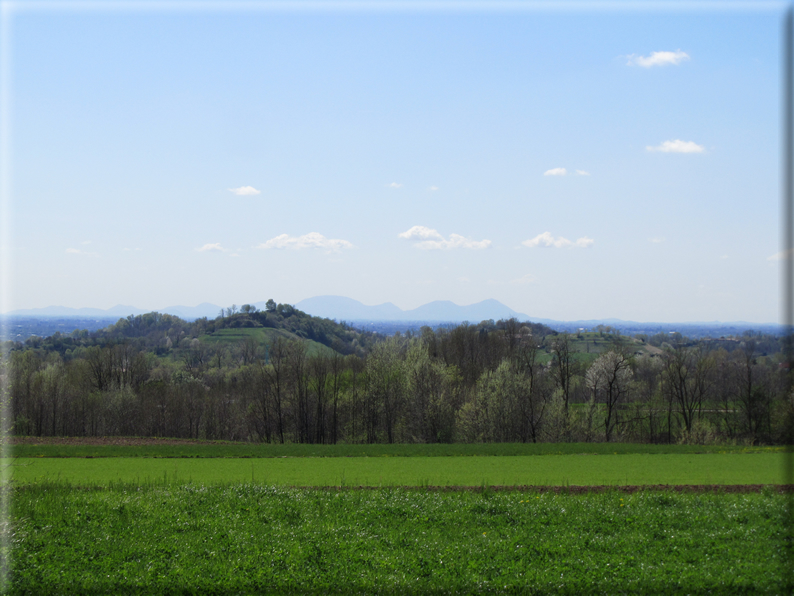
(608, 379)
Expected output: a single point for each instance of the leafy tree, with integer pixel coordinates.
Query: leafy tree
(385, 388)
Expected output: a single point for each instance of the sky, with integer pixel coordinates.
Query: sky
(572, 164)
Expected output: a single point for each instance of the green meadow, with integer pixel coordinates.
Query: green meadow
(257, 539)
(262, 335)
(587, 469)
(188, 448)
(193, 518)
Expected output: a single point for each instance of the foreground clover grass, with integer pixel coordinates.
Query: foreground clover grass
(248, 538)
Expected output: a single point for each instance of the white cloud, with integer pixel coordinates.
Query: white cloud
(434, 188)
(420, 232)
(439, 242)
(555, 172)
(584, 242)
(245, 191)
(547, 240)
(464, 280)
(658, 59)
(522, 281)
(564, 172)
(779, 256)
(678, 146)
(86, 242)
(455, 241)
(657, 240)
(217, 246)
(310, 240)
(395, 185)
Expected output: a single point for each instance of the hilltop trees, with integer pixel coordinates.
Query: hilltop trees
(255, 375)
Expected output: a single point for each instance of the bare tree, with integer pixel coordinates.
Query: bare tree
(260, 405)
(196, 357)
(249, 350)
(320, 369)
(512, 335)
(299, 385)
(608, 379)
(275, 372)
(647, 373)
(532, 397)
(337, 369)
(686, 380)
(752, 392)
(562, 350)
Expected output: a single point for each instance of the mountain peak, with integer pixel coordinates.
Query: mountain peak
(348, 309)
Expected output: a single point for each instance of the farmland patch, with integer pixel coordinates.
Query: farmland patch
(560, 470)
(250, 538)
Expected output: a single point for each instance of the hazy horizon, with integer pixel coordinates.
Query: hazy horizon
(573, 165)
(530, 316)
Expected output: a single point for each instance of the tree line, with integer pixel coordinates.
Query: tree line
(502, 381)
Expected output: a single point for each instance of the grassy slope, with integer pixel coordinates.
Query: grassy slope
(584, 350)
(255, 539)
(263, 335)
(630, 469)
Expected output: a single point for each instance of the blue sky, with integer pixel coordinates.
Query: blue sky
(178, 157)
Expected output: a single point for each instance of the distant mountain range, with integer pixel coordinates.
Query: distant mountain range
(347, 309)
(331, 307)
(444, 311)
(204, 309)
(65, 311)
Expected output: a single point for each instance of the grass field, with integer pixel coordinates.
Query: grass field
(262, 335)
(147, 447)
(184, 517)
(627, 469)
(251, 539)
